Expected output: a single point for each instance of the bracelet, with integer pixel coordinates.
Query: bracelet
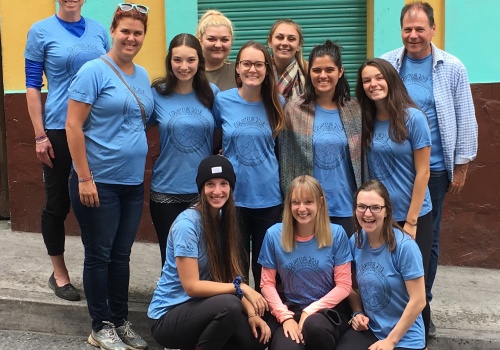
(38, 138)
(354, 314)
(252, 315)
(409, 223)
(42, 140)
(85, 179)
(286, 319)
(236, 283)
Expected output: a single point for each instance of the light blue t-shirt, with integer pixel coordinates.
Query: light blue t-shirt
(332, 163)
(115, 139)
(186, 130)
(184, 240)
(306, 272)
(381, 277)
(62, 54)
(392, 162)
(247, 141)
(417, 76)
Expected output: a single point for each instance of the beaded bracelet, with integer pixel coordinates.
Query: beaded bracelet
(38, 138)
(237, 281)
(252, 315)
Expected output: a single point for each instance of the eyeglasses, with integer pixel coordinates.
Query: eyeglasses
(259, 65)
(373, 208)
(125, 6)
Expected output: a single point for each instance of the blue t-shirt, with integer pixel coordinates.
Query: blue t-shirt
(62, 54)
(186, 130)
(417, 76)
(184, 240)
(306, 272)
(392, 162)
(247, 141)
(115, 139)
(381, 277)
(332, 163)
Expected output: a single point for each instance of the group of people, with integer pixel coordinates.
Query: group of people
(346, 260)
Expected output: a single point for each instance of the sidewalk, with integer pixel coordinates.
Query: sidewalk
(465, 309)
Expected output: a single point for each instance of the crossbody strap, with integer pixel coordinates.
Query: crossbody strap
(143, 112)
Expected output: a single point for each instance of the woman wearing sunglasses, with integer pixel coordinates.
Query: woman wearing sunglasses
(313, 260)
(110, 101)
(388, 288)
(249, 118)
(58, 45)
(397, 140)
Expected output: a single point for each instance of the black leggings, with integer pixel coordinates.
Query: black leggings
(57, 202)
(163, 215)
(353, 340)
(253, 226)
(211, 324)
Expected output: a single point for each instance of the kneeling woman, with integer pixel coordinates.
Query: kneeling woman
(313, 260)
(195, 304)
(388, 286)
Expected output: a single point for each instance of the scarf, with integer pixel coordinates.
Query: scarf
(291, 82)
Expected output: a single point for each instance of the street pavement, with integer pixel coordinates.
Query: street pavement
(465, 309)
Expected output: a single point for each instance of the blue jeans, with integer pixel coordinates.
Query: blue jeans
(108, 233)
(438, 185)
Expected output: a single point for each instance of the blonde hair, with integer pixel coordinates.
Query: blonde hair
(322, 229)
(303, 65)
(213, 18)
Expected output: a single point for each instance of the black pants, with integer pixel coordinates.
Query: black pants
(318, 332)
(424, 239)
(163, 215)
(57, 201)
(253, 226)
(353, 340)
(211, 323)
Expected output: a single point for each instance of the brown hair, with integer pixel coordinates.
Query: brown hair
(298, 55)
(397, 102)
(226, 266)
(269, 92)
(387, 232)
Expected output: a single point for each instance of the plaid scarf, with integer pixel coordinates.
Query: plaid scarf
(296, 154)
(291, 82)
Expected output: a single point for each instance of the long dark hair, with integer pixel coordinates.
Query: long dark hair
(166, 85)
(342, 92)
(387, 232)
(226, 266)
(397, 103)
(268, 91)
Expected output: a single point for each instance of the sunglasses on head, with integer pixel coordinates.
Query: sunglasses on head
(125, 6)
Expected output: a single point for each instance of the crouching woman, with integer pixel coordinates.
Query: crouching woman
(201, 301)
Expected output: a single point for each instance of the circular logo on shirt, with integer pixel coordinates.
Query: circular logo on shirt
(382, 162)
(420, 90)
(247, 138)
(79, 54)
(186, 129)
(131, 110)
(373, 285)
(327, 138)
(304, 279)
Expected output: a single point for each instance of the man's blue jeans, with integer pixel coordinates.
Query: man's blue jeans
(438, 185)
(108, 232)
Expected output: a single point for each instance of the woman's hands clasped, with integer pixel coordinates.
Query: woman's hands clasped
(256, 299)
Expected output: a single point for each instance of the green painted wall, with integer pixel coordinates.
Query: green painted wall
(386, 28)
(471, 33)
(181, 16)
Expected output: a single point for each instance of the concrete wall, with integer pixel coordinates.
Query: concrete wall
(470, 220)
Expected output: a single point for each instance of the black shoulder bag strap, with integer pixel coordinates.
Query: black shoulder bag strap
(143, 112)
